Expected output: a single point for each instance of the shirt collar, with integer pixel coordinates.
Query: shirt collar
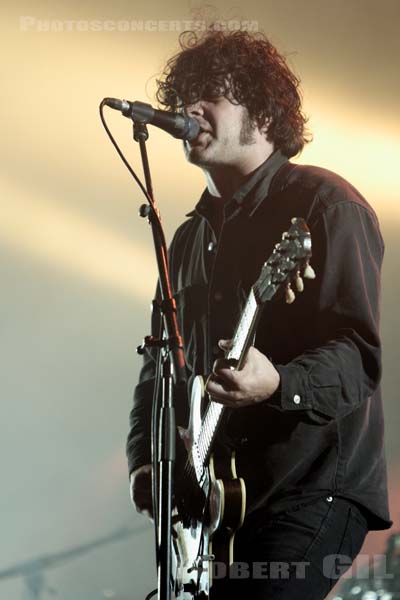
(250, 193)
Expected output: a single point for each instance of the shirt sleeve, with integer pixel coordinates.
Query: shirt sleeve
(138, 446)
(333, 378)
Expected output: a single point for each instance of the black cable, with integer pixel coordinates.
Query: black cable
(120, 153)
(156, 218)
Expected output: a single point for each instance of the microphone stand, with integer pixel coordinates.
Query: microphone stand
(172, 367)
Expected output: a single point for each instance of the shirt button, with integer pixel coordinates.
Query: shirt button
(329, 499)
(296, 399)
(218, 296)
(211, 247)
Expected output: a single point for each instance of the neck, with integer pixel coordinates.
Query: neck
(224, 180)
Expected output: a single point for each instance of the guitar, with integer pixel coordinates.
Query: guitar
(211, 498)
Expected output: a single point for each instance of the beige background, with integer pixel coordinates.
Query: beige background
(77, 269)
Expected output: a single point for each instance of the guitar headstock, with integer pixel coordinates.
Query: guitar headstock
(288, 263)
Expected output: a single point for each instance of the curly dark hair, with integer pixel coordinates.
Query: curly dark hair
(250, 69)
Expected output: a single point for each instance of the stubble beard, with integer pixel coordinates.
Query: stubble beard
(247, 129)
(198, 155)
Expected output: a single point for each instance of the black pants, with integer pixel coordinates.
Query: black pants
(298, 554)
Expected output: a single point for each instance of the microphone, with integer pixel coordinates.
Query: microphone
(179, 125)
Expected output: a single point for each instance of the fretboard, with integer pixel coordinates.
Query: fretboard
(241, 341)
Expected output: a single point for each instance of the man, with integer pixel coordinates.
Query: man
(304, 412)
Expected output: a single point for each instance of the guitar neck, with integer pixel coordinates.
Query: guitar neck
(241, 342)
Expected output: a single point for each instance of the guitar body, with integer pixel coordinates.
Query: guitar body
(203, 536)
(227, 506)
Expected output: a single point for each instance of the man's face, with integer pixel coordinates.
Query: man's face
(226, 134)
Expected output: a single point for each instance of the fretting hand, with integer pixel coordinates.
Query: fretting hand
(256, 381)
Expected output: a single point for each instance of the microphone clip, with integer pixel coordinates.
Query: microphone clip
(140, 131)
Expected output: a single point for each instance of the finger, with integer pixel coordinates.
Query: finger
(224, 368)
(229, 398)
(221, 363)
(226, 399)
(225, 344)
(223, 378)
(221, 390)
(216, 386)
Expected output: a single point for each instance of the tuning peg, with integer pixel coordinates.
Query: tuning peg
(289, 294)
(299, 283)
(309, 272)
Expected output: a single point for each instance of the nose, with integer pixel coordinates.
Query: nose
(194, 109)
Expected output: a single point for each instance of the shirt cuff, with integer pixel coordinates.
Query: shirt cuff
(317, 389)
(294, 390)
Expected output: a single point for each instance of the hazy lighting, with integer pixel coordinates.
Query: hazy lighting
(51, 233)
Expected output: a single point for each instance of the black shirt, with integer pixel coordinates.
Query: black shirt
(322, 432)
